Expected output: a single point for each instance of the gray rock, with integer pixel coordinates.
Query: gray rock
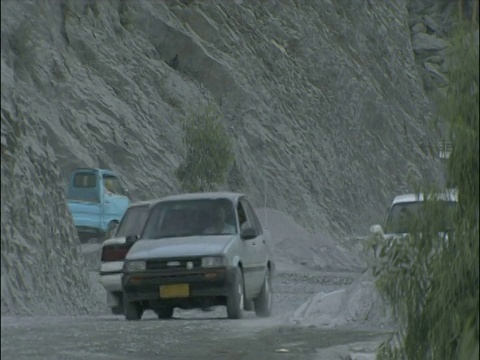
(435, 59)
(419, 28)
(413, 20)
(435, 71)
(331, 129)
(425, 42)
(431, 24)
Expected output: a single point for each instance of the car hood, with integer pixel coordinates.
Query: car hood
(404, 235)
(180, 247)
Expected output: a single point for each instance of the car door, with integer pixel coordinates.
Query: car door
(115, 203)
(254, 270)
(247, 249)
(261, 253)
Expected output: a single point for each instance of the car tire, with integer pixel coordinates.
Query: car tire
(164, 313)
(132, 310)
(235, 302)
(264, 301)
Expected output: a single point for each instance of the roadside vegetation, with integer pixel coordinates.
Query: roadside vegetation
(208, 151)
(432, 283)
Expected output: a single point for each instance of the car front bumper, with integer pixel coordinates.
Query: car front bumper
(213, 282)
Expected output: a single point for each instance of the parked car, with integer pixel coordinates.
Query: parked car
(115, 249)
(196, 251)
(97, 202)
(404, 215)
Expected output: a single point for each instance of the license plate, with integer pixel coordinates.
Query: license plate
(175, 291)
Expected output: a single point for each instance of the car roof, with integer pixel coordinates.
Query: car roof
(146, 202)
(102, 171)
(407, 198)
(204, 195)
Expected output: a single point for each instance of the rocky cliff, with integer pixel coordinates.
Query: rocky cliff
(431, 23)
(322, 101)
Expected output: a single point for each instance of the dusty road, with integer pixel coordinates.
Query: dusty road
(191, 334)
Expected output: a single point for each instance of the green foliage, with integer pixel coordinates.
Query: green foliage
(433, 284)
(24, 48)
(208, 151)
(125, 13)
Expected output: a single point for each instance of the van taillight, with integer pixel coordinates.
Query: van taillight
(114, 253)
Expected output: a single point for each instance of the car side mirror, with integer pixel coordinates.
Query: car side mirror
(376, 229)
(130, 239)
(248, 233)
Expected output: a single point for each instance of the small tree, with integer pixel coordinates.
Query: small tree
(433, 284)
(208, 151)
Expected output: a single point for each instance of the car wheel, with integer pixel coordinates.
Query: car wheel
(133, 310)
(264, 301)
(164, 313)
(235, 302)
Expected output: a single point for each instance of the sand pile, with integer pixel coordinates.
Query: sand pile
(292, 245)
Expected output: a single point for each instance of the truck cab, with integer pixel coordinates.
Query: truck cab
(97, 202)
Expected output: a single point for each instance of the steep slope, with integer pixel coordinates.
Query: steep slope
(42, 269)
(321, 99)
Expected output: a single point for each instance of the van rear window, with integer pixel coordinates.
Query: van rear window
(84, 180)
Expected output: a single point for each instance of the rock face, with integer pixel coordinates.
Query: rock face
(422, 42)
(42, 269)
(322, 101)
(430, 24)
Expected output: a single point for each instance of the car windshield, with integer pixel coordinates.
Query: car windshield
(191, 218)
(409, 217)
(133, 221)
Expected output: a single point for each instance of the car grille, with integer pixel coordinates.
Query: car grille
(164, 264)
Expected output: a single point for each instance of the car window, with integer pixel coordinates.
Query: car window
(191, 218)
(409, 217)
(84, 187)
(112, 184)
(252, 215)
(85, 180)
(133, 221)
(250, 220)
(242, 215)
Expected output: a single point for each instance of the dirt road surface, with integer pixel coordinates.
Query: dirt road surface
(194, 334)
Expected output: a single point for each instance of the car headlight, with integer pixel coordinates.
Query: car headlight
(214, 261)
(135, 265)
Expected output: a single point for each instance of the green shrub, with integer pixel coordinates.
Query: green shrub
(208, 151)
(433, 285)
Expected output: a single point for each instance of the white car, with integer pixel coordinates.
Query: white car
(116, 248)
(405, 209)
(198, 251)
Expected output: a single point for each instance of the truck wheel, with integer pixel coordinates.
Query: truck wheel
(248, 305)
(84, 237)
(264, 301)
(133, 310)
(235, 302)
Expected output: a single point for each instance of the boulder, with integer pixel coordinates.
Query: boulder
(422, 43)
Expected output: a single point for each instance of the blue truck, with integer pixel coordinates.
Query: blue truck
(97, 202)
